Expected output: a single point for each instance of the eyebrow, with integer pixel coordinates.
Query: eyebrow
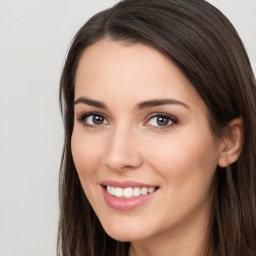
(159, 102)
(93, 103)
(140, 106)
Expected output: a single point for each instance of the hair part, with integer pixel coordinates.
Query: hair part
(201, 41)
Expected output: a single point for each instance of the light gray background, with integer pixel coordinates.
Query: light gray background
(34, 38)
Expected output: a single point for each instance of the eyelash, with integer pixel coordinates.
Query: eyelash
(171, 120)
(83, 117)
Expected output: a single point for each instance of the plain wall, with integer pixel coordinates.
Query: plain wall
(34, 38)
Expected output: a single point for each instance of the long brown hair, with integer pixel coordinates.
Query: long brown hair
(201, 41)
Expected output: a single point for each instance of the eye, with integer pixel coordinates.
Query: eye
(161, 121)
(93, 119)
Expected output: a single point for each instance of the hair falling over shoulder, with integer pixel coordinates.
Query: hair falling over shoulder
(201, 41)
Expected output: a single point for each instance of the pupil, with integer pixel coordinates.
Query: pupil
(97, 119)
(162, 121)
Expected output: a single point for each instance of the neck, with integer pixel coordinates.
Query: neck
(193, 242)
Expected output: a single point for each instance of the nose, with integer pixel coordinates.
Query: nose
(122, 151)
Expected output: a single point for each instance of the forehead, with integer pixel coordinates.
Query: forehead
(115, 69)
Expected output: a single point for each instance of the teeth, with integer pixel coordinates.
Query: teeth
(136, 192)
(112, 191)
(129, 192)
(150, 190)
(144, 191)
(119, 192)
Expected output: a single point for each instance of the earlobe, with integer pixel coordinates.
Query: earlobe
(232, 143)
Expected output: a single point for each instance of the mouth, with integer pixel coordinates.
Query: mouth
(129, 192)
(127, 195)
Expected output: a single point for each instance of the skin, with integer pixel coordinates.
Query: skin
(180, 157)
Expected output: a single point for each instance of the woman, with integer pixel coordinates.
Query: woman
(158, 101)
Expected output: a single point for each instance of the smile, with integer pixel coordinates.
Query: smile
(129, 192)
(127, 195)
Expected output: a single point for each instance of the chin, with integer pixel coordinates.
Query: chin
(124, 237)
(125, 233)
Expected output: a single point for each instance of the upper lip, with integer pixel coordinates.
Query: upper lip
(126, 184)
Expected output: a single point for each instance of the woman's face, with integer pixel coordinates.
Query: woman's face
(141, 143)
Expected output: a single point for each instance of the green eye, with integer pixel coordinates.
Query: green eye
(161, 120)
(93, 119)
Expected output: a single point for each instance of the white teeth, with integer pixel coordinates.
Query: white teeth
(119, 192)
(112, 191)
(150, 190)
(136, 192)
(129, 192)
(144, 191)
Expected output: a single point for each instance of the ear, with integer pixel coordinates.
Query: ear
(232, 142)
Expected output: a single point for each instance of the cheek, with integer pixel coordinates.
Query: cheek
(86, 152)
(186, 165)
(189, 157)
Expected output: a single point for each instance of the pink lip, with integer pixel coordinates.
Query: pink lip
(126, 184)
(125, 203)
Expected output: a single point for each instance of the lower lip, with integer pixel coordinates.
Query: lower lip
(125, 204)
